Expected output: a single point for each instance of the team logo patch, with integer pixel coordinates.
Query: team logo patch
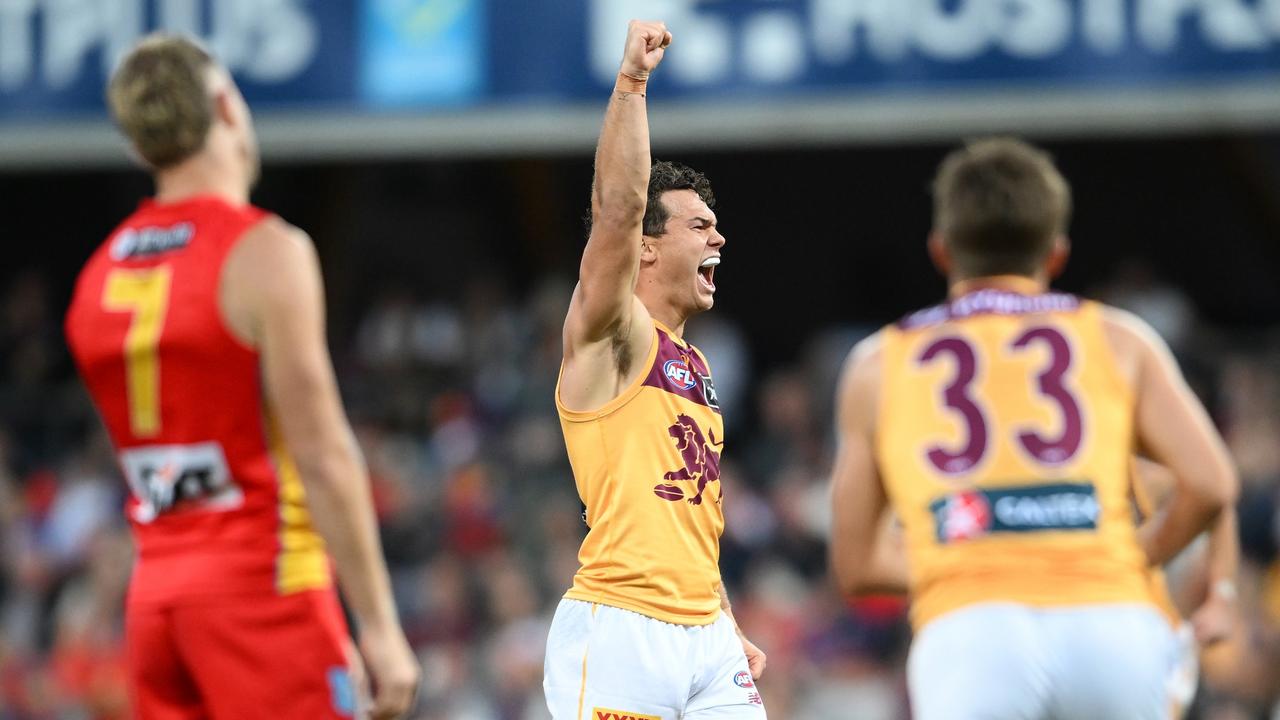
(342, 691)
(680, 374)
(701, 461)
(147, 241)
(607, 714)
(743, 680)
(1064, 506)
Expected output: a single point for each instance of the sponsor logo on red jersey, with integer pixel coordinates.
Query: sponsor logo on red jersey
(147, 241)
(166, 477)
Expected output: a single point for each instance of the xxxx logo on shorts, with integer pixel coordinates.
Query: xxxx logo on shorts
(607, 714)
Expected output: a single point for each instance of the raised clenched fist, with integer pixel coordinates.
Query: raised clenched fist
(646, 43)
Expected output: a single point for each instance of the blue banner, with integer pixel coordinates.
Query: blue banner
(393, 55)
(56, 55)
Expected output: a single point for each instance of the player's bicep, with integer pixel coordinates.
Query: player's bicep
(1173, 428)
(858, 497)
(603, 300)
(289, 311)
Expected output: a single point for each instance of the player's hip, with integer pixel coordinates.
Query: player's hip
(937, 596)
(607, 659)
(998, 660)
(687, 597)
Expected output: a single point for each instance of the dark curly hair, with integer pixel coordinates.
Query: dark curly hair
(665, 176)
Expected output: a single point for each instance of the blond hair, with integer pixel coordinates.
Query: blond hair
(159, 97)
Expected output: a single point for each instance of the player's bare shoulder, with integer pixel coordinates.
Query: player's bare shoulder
(1132, 341)
(272, 261)
(863, 361)
(859, 389)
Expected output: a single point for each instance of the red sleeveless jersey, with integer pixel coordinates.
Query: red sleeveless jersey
(216, 504)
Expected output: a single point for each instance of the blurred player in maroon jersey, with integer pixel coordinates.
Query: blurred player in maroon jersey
(198, 327)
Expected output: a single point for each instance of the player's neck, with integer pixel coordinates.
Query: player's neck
(201, 175)
(661, 307)
(669, 319)
(1027, 285)
(668, 316)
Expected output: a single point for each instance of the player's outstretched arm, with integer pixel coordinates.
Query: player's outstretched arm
(1173, 429)
(604, 303)
(272, 293)
(859, 562)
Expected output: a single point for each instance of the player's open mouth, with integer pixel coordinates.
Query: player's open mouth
(707, 271)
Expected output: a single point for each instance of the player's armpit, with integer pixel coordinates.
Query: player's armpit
(1173, 429)
(858, 497)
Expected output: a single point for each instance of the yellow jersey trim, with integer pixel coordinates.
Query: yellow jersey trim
(302, 563)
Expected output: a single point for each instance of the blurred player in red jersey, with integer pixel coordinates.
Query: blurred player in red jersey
(198, 327)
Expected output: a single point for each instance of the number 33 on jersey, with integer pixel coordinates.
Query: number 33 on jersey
(999, 400)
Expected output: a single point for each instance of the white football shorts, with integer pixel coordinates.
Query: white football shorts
(604, 663)
(998, 661)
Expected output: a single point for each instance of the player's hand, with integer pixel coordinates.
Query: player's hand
(359, 679)
(393, 669)
(755, 657)
(1215, 620)
(646, 44)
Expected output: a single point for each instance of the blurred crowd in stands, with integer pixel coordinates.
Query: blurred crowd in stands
(452, 403)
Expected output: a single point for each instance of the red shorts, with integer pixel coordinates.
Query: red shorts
(242, 658)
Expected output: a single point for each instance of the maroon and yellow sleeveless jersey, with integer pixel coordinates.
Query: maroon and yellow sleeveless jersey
(216, 505)
(647, 467)
(1004, 441)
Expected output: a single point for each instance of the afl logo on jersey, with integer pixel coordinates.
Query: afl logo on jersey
(680, 374)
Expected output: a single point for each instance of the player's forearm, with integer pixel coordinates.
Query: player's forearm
(1224, 552)
(1183, 518)
(341, 506)
(620, 188)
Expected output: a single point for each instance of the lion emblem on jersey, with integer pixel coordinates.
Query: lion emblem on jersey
(701, 461)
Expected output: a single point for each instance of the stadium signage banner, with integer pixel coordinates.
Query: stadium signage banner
(55, 55)
(367, 55)
(855, 45)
